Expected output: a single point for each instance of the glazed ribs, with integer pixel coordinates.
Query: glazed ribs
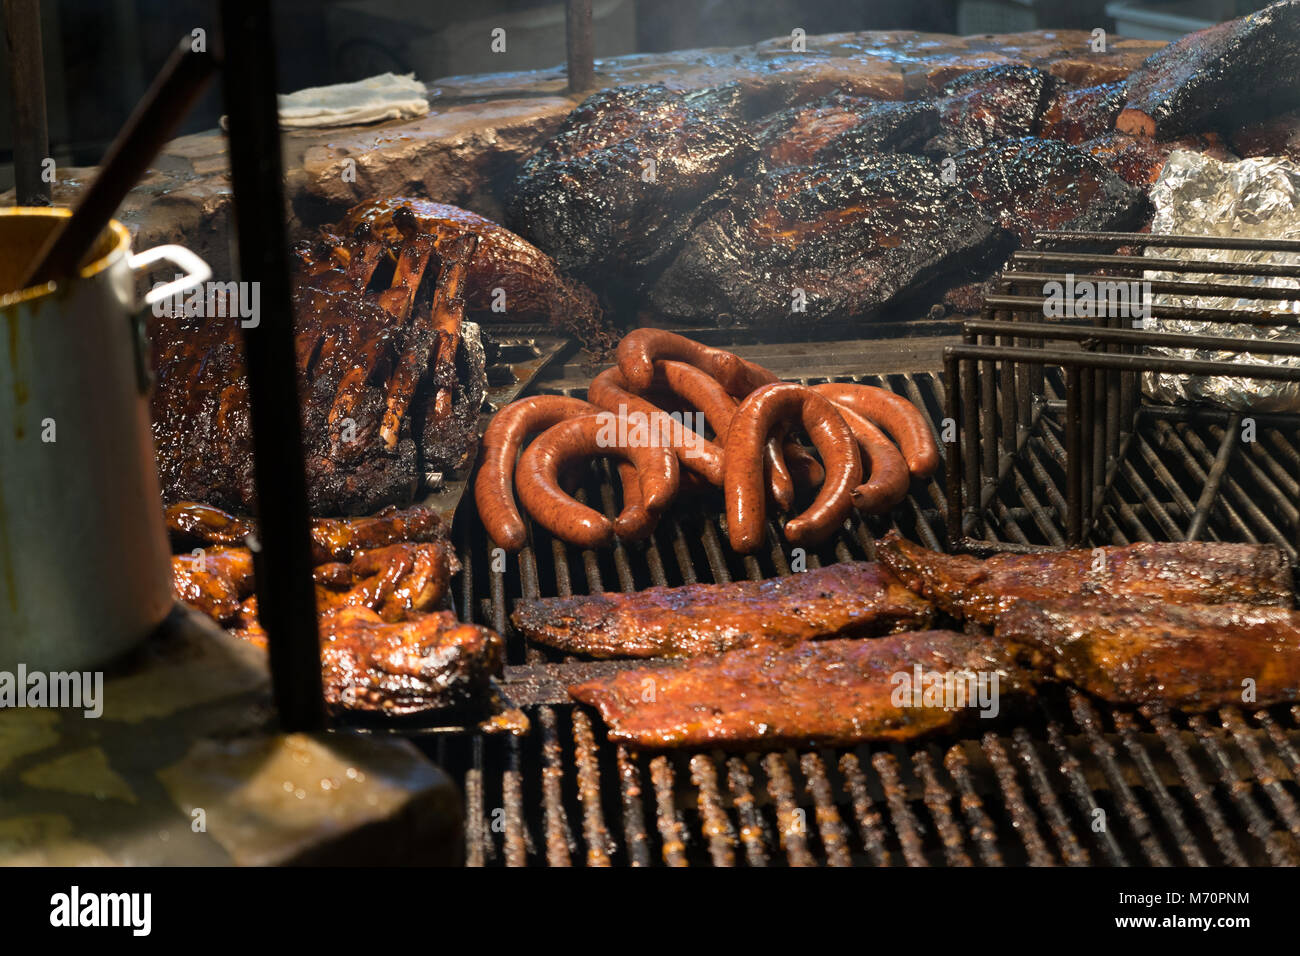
(390, 377)
(832, 693)
(1192, 657)
(979, 108)
(1180, 573)
(839, 600)
(803, 245)
(842, 125)
(613, 194)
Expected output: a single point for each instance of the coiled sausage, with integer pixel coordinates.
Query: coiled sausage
(505, 435)
(896, 415)
(757, 416)
(887, 476)
(637, 352)
(609, 390)
(585, 437)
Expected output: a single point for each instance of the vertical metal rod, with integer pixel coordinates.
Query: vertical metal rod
(1073, 458)
(971, 453)
(952, 460)
(286, 596)
(27, 87)
(580, 45)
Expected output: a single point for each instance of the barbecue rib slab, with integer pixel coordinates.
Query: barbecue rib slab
(612, 194)
(1190, 572)
(1192, 657)
(831, 693)
(534, 290)
(842, 240)
(367, 313)
(838, 600)
(1225, 74)
(1028, 185)
(425, 662)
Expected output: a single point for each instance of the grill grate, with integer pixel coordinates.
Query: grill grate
(1066, 782)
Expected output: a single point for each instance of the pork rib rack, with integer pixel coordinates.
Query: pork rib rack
(390, 376)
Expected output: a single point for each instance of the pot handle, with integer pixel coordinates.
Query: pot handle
(196, 270)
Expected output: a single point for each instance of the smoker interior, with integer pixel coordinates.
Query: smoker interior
(1068, 781)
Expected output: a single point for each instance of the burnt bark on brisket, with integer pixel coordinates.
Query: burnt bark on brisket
(613, 194)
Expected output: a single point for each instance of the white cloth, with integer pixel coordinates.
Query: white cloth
(373, 100)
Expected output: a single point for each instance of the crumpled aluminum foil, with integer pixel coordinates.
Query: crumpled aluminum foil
(1199, 195)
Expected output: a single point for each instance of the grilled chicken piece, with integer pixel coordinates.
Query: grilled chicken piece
(844, 125)
(843, 240)
(1223, 75)
(1076, 114)
(839, 600)
(426, 662)
(1191, 572)
(612, 195)
(1029, 185)
(1191, 657)
(822, 693)
(984, 106)
(394, 580)
(534, 289)
(333, 539)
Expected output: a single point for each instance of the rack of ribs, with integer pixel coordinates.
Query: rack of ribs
(832, 693)
(614, 192)
(1190, 572)
(839, 600)
(1192, 657)
(390, 374)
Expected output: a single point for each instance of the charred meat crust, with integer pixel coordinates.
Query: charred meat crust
(850, 238)
(838, 600)
(1178, 573)
(617, 189)
(1225, 74)
(1029, 185)
(832, 693)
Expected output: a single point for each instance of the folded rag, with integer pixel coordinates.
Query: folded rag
(373, 100)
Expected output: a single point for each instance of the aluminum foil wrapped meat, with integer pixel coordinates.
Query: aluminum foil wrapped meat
(1199, 195)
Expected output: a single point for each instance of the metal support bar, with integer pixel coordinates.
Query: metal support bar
(27, 85)
(580, 45)
(285, 592)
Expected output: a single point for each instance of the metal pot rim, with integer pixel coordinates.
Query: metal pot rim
(121, 243)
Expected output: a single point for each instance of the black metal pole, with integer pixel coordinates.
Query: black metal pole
(285, 593)
(27, 86)
(580, 45)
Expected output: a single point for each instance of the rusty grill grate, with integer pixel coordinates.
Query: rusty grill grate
(1069, 781)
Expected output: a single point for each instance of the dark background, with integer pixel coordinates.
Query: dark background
(100, 54)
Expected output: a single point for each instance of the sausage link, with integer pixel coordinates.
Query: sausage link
(609, 390)
(706, 393)
(635, 521)
(795, 464)
(888, 477)
(585, 437)
(904, 421)
(757, 416)
(505, 435)
(638, 350)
